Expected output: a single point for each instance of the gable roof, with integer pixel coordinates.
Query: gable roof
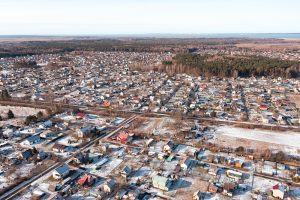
(160, 180)
(62, 169)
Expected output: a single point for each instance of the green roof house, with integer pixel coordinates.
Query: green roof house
(161, 182)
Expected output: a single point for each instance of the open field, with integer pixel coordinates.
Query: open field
(20, 114)
(283, 45)
(258, 139)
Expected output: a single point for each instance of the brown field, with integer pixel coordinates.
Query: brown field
(280, 45)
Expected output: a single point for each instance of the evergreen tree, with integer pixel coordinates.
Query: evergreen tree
(39, 115)
(10, 114)
(5, 95)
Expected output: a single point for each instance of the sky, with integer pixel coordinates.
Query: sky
(93, 17)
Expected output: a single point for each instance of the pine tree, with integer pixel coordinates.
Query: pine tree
(10, 114)
(39, 115)
(5, 95)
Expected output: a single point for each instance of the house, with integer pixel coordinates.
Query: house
(42, 155)
(48, 134)
(212, 188)
(86, 179)
(55, 196)
(125, 172)
(239, 163)
(25, 155)
(214, 170)
(8, 132)
(171, 157)
(149, 142)
(234, 174)
(87, 158)
(83, 132)
(121, 194)
(54, 187)
(117, 121)
(81, 158)
(109, 185)
(187, 162)
(263, 107)
(106, 104)
(61, 126)
(80, 115)
(31, 140)
(279, 191)
(199, 195)
(169, 147)
(46, 124)
(161, 182)
(59, 148)
(229, 188)
(61, 172)
(37, 194)
(124, 138)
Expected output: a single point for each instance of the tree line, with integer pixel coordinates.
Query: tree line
(242, 66)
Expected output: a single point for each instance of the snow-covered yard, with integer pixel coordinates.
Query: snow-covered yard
(20, 114)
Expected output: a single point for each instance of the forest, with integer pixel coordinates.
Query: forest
(242, 66)
(176, 45)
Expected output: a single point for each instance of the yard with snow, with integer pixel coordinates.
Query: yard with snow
(20, 114)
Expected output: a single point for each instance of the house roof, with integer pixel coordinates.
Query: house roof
(160, 180)
(80, 114)
(110, 183)
(58, 146)
(229, 186)
(27, 153)
(85, 178)
(62, 169)
(279, 187)
(126, 170)
(123, 135)
(85, 129)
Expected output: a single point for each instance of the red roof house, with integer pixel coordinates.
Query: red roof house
(80, 115)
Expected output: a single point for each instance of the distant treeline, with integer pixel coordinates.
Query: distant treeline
(176, 45)
(26, 64)
(242, 66)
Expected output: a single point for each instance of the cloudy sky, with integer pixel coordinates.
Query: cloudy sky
(77, 17)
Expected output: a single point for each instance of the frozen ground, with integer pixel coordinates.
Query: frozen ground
(3, 182)
(19, 111)
(288, 139)
(20, 114)
(158, 126)
(262, 184)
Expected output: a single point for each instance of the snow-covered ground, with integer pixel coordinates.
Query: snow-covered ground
(3, 182)
(108, 167)
(19, 111)
(20, 114)
(289, 138)
(182, 149)
(157, 126)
